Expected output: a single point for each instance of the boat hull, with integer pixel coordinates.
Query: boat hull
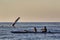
(34, 32)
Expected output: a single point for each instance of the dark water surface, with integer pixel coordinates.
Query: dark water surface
(6, 28)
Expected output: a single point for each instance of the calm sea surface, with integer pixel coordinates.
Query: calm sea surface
(6, 28)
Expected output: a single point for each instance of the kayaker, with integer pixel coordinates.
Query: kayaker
(45, 29)
(25, 31)
(35, 30)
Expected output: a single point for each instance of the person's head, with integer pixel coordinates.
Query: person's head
(35, 27)
(45, 27)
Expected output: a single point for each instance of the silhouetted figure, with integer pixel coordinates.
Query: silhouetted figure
(35, 30)
(25, 31)
(45, 29)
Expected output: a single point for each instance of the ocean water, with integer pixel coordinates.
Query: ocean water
(6, 28)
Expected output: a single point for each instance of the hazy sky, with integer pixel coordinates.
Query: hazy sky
(30, 10)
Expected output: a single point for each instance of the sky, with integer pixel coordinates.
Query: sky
(30, 10)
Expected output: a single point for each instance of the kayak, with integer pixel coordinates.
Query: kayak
(32, 32)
